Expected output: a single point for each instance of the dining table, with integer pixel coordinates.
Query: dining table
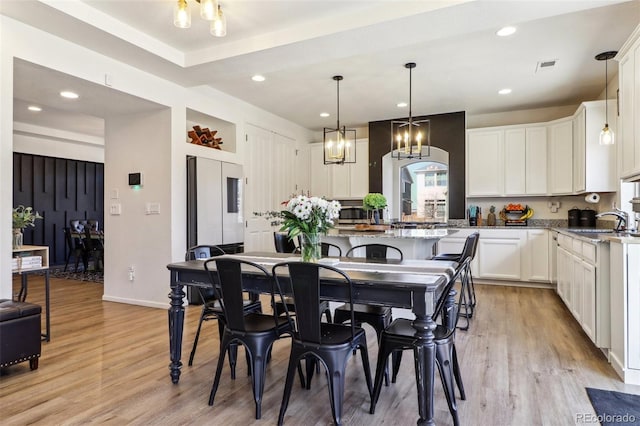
(412, 284)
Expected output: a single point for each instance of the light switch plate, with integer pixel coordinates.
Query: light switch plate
(152, 208)
(115, 209)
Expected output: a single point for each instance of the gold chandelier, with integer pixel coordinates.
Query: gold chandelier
(210, 10)
(409, 136)
(339, 143)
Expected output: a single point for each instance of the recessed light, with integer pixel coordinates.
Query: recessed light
(506, 31)
(34, 108)
(324, 114)
(69, 95)
(504, 91)
(258, 78)
(401, 104)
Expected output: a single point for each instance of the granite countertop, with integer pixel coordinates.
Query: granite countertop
(600, 235)
(392, 233)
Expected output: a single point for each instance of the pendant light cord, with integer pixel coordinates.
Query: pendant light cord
(338, 106)
(606, 94)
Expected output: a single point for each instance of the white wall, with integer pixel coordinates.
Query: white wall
(165, 159)
(37, 140)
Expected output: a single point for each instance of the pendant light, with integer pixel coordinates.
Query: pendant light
(409, 136)
(182, 14)
(210, 10)
(339, 143)
(219, 24)
(607, 136)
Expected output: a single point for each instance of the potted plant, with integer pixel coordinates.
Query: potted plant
(22, 217)
(374, 201)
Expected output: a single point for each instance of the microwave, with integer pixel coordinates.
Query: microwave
(352, 214)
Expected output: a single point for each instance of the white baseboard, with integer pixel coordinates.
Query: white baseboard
(147, 303)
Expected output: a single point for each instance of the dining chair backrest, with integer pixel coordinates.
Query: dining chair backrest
(304, 284)
(283, 243)
(203, 252)
(227, 279)
(71, 242)
(77, 225)
(470, 246)
(328, 249)
(453, 308)
(375, 251)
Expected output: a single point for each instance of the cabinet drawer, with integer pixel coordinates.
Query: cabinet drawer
(565, 242)
(576, 246)
(589, 252)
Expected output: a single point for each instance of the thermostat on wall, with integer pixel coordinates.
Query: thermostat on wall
(135, 179)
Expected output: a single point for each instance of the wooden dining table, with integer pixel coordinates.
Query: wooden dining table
(412, 284)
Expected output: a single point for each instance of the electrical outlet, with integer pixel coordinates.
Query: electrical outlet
(132, 274)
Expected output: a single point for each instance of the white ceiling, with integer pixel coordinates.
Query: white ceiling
(298, 45)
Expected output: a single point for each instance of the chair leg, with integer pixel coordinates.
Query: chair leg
(288, 384)
(367, 367)
(224, 344)
(257, 352)
(444, 364)
(335, 376)
(384, 350)
(195, 340)
(456, 372)
(396, 359)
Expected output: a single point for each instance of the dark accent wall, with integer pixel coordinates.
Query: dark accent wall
(60, 190)
(447, 132)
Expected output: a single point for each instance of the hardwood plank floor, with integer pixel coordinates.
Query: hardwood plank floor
(524, 361)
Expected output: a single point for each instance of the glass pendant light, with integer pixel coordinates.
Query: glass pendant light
(607, 137)
(219, 24)
(208, 9)
(182, 14)
(339, 142)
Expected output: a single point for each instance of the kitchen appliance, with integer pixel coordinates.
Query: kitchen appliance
(587, 218)
(574, 218)
(352, 212)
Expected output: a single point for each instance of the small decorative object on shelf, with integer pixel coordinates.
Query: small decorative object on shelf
(516, 214)
(308, 217)
(374, 201)
(475, 215)
(22, 217)
(204, 137)
(491, 217)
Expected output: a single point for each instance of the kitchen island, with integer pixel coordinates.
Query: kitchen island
(414, 243)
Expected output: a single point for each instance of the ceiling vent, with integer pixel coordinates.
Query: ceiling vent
(546, 65)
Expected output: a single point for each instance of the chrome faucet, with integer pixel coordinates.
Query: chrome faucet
(623, 218)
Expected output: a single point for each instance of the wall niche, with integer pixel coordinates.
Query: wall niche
(210, 132)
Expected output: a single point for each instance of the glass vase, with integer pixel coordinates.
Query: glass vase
(310, 248)
(17, 238)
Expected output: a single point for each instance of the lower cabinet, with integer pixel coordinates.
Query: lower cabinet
(505, 253)
(583, 285)
(625, 315)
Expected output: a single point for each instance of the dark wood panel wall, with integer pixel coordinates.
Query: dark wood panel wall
(448, 133)
(60, 190)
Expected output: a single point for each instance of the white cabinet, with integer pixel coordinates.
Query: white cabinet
(337, 181)
(499, 254)
(485, 163)
(583, 285)
(594, 165)
(509, 160)
(628, 138)
(625, 311)
(560, 149)
(535, 256)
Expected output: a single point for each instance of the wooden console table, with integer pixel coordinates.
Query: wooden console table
(24, 269)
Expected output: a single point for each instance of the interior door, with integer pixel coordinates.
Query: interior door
(232, 200)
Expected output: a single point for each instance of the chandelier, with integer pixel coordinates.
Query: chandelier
(339, 143)
(409, 136)
(210, 10)
(607, 137)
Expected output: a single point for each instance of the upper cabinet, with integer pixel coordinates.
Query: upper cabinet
(338, 181)
(559, 157)
(628, 137)
(509, 160)
(594, 165)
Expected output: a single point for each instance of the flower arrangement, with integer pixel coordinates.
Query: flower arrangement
(308, 217)
(374, 201)
(24, 216)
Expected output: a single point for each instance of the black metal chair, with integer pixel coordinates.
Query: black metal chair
(378, 317)
(211, 309)
(255, 331)
(328, 249)
(400, 335)
(93, 249)
(469, 292)
(75, 248)
(329, 344)
(285, 245)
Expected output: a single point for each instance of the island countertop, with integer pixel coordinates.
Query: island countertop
(436, 233)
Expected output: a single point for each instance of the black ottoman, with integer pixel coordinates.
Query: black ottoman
(19, 333)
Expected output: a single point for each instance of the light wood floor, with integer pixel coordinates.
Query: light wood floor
(524, 361)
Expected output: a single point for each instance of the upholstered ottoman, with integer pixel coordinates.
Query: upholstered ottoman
(19, 333)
